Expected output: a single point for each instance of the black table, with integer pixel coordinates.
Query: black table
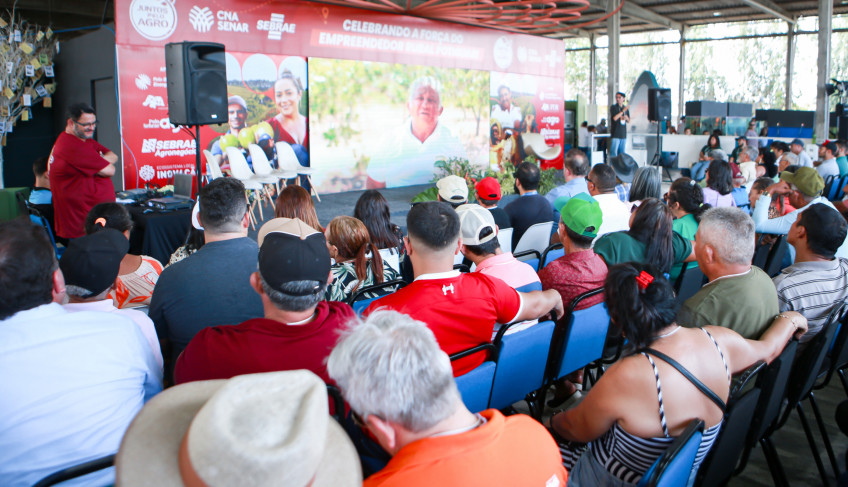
(158, 234)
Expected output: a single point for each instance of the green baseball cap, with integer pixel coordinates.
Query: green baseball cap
(582, 214)
(806, 179)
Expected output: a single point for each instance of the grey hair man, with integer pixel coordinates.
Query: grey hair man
(298, 329)
(399, 383)
(575, 168)
(738, 295)
(212, 286)
(748, 165)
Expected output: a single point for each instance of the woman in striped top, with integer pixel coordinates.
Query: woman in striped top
(641, 403)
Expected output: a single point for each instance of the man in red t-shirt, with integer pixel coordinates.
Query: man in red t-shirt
(399, 383)
(299, 328)
(80, 171)
(461, 309)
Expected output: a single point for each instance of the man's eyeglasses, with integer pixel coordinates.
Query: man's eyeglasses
(90, 125)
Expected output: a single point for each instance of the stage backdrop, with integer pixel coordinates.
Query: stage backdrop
(366, 98)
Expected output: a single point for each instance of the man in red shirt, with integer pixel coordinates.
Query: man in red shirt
(80, 171)
(461, 309)
(399, 383)
(299, 328)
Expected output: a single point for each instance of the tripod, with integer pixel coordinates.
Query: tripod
(657, 160)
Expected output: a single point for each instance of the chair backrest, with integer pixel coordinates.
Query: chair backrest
(720, 462)
(76, 471)
(261, 166)
(529, 257)
(359, 302)
(830, 184)
(286, 158)
(550, 254)
(838, 355)
(772, 384)
(690, 281)
(36, 217)
(674, 466)
(522, 357)
(505, 239)
(238, 164)
(535, 238)
(214, 164)
(533, 286)
(775, 256)
(475, 386)
(578, 338)
(761, 253)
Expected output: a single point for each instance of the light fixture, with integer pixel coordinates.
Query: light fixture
(716, 14)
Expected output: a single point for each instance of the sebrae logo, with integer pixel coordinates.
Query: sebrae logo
(168, 148)
(142, 82)
(146, 172)
(153, 101)
(153, 19)
(201, 19)
(276, 27)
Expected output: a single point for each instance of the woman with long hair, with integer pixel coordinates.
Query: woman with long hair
(644, 400)
(685, 199)
(646, 184)
(373, 210)
(650, 239)
(295, 202)
(289, 124)
(699, 168)
(138, 274)
(719, 185)
(766, 165)
(358, 262)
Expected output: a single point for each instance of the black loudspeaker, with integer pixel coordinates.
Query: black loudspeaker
(659, 104)
(197, 83)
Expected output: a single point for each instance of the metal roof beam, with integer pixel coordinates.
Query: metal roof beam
(634, 11)
(770, 8)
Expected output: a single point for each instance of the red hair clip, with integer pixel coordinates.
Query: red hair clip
(643, 280)
(100, 221)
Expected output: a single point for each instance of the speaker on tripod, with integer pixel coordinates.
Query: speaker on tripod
(659, 104)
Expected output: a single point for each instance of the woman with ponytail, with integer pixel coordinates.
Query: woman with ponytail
(358, 262)
(685, 199)
(643, 401)
(138, 273)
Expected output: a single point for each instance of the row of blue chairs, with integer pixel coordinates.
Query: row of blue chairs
(833, 187)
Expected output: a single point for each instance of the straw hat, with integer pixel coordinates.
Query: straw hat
(257, 430)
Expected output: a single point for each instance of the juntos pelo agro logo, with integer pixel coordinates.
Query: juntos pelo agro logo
(154, 19)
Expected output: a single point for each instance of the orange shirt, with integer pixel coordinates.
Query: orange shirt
(506, 451)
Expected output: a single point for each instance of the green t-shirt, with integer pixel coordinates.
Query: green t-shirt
(747, 304)
(686, 226)
(619, 247)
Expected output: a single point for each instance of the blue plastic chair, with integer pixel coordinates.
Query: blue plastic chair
(552, 253)
(520, 373)
(531, 257)
(578, 339)
(358, 303)
(673, 468)
(475, 386)
(533, 286)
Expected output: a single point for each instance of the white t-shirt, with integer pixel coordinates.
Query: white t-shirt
(507, 118)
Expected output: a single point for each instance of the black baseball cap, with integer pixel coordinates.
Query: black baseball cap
(290, 250)
(92, 262)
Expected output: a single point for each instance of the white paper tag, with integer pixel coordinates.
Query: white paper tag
(27, 100)
(30, 70)
(48, 71)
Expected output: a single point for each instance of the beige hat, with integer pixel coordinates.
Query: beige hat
(536, 145)
(473, 219)
(291, 226)
(258, 429)
(453, 189)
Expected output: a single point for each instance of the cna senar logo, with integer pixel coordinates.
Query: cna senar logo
(146, 172)
(153, 19)
(142, 82)
(276, 27)
(201, 19)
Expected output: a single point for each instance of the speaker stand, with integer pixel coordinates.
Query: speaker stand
(657, 160)
(197, 164)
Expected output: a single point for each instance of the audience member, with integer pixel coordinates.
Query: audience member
(530, 208)
(40, 197)
(741, 146)
(780, 149)
(139, 273)
(212, 286)
(194, 240)
(258, 429)
(818, 281)
(803, 188)
(686, 201)
(71, 382)
(90, 265)
(797, 148)
(619, 416)
(358, 262)
(453, 190)
(373, 210)
(616, 213)
(719, 185)
(739, 192)
(826, 165)
(699, 168)
(298, 329)
(460, 308)
(575, 168)
(399, 384)
(646, 184)
(295, 202)
(479, 244)
(738, 295)
(748, 165)
(841, 159)
(650, 239)
(766, 163)
(488, 195)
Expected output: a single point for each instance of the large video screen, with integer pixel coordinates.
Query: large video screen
(376, 125)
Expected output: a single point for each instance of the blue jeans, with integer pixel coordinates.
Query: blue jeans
(699, 170)
(617, 146)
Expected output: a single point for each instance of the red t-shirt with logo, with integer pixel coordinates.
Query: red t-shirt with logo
(460, 308)
(74, 165)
